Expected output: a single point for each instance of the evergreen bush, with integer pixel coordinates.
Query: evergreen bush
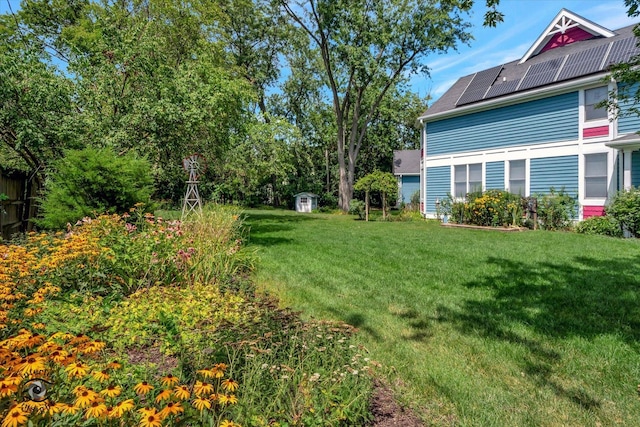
(94, 181)
(602, 225)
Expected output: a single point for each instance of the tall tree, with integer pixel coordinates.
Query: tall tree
(367, 47)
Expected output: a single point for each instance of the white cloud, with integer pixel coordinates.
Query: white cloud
(608, 17)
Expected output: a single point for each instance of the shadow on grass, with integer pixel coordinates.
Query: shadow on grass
(586, 298)
(262, 224)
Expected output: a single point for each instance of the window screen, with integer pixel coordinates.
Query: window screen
(595, 175)
(517, 177)
(475, 177)
(591, 98)
(460, 180)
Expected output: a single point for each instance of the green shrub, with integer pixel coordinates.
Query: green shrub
(625, 208)
(492, 208)
(94, 181)
(356, 207)
(602, 225)
(556, 210)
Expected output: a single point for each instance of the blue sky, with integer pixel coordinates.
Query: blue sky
(524, 21)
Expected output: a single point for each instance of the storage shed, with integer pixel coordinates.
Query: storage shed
(306, 202)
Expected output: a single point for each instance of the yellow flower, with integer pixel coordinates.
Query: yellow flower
(200, 403)
(232, 399)
(55, 408)
(70, 409)
(169, 380)
(163, 395)
(201, 388)
(77, 369)
(32, 364)
(100, 375)
(207, 373)
(15, 417)
(143, 388)
(227, 423)
(111, 391)
(85, 398)
(114, 365)
(229, 385)
(7, 390)
(96, 410)
(121, 407)
(182, 392)
(172, 408)
(150, 419)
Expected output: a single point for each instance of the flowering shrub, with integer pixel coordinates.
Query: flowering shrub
(492, 208)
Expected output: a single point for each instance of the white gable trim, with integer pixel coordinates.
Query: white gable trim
(563, 21)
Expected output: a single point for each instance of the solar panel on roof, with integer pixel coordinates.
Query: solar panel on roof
(479, 85)
(502, 89)
(541, 74)
(583, 63)
(622, 51)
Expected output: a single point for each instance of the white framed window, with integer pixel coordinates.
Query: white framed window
(592, 97)
(518, 177)
(304, 200)
(467, 178)
(595, 175)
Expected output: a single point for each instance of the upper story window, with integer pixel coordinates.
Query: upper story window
(467, 178)
(592, 97)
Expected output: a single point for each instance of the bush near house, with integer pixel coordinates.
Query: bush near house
(134, 320)
(492, 208)
(556, 209)
(601, 225)
(625, 209)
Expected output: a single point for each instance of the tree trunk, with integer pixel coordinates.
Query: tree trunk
(384, 205)
(366, 205)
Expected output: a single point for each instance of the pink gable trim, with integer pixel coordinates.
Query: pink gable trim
(596, 131)
(589, 211)
(572, 35)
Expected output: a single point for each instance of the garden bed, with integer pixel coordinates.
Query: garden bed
(480, 227)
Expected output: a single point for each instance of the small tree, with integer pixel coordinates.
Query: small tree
(384, 182)
(625, 209)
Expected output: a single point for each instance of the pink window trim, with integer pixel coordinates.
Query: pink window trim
(595, 131)
(572, 35)
(589, 211)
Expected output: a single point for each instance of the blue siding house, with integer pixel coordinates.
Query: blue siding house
(535, 123)
(406, 167)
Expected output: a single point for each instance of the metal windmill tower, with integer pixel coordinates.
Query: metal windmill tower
(195, 166)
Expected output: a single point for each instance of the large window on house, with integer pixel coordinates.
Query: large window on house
(517, 177)
(467, 178)
(595, 175)
(592, 97)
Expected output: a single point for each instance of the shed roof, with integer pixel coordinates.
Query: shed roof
(306, 194)
(406, 162)
(544, 69)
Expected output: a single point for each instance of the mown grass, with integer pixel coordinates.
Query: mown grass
(475, 327)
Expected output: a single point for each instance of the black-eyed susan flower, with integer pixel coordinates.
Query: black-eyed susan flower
(111, 391)
(163, 395)
(150, 419)
(201, 388)
(207, 373)
(85, 398)
(232, 399)
(7, 390)
(77, 370)
(100, 376)
(55, 408)
(15, 417)
(227, 423)
(32, 364)
(230, 385)
(70, 409)
(121, 408)
(182, 392)
(143, 388)
(169, 380)
(114, 365)
(172, 408)
(97, 409)
(201, 403)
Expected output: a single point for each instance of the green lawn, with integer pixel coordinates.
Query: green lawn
(473, 327)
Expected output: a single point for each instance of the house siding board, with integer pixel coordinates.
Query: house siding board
(544, 120)
(410, 184)
(556, 172)
(628, 122)
(438, 186)
(494, 178)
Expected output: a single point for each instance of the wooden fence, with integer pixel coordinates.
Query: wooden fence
(17, 203)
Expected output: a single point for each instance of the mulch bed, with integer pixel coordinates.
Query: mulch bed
(386, 411)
